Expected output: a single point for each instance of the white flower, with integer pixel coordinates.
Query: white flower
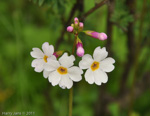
(63, 72)
(42, 57)
(97, 66)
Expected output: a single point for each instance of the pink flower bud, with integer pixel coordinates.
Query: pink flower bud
(70, 29)
(81, 24)
(55, 55)
(80, 51)
(76, 22)
(76, 19)
(58, 53)
(100, 36)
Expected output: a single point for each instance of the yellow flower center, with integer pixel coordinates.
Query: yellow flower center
(95, 66)
(62, 70)
(45, 58)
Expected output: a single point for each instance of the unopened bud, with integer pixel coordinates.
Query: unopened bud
(100, 36)
(81, 26)
(58, 53)
(70, 29)
(80, 51)
(76, 19)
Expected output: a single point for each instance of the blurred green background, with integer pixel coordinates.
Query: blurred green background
(25, 24)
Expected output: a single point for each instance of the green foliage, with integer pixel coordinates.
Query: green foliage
(121, 14)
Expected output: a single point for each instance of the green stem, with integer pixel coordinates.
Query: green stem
(71, 90)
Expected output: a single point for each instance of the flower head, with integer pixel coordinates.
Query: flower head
(97, 66)
(100, 36)
(63, 72)
(41, 57)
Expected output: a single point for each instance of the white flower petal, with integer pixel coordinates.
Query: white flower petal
(37, 53)
(107, 64)
(89, 77)
(86, 61)
(75, 73)
(46, 73)
(51, 65)
(38, 64)
(54, 78)
(48, 49)
(65, 82)
(100, 53)
(52, 57)
(100, 77)
(66, 61)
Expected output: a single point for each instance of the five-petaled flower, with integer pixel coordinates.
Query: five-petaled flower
(63, 72)
(97, 66)
(42, 57)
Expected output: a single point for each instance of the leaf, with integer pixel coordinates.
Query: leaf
(41, 2)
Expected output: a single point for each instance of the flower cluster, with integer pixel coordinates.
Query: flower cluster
(59, 67)
(76, 28)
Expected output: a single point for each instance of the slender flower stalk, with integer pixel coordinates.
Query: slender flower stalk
(71, 90)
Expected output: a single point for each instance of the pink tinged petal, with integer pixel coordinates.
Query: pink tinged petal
(80, 51)
(86, 61)
(54, 78)
(51, 65)
(37, 53)
(89, 77)
(66, 61)
(38, 64)
(100, 77)
(46, 73)
(100, 54)
(70, 29)
(65, 82)
(75, 73)
(107, 64)
(48, 49)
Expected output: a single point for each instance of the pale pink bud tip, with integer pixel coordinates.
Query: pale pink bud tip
(102, 36)
(70, 29)
(81, 24)
(80, 51)
(76, 19)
